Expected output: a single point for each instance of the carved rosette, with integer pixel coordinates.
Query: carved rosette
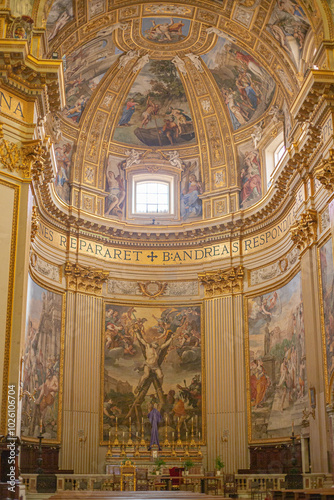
(85, 279)
(227, 282)
(304, 231)
(325, 171)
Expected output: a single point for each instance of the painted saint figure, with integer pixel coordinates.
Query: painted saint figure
(128, 111)
(154, 417)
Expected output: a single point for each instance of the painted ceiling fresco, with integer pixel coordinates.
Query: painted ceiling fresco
(156, 111)
(167, 77)
(246, 87)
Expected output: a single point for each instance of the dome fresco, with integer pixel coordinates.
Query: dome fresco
(166, 80)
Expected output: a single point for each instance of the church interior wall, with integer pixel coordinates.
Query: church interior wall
(243, 265)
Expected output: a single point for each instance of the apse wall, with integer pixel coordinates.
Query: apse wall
(248, 342)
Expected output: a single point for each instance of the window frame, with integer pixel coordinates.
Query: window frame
(172, 178)
(137, 182)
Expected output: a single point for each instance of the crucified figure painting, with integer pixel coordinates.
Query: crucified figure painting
(154, 354)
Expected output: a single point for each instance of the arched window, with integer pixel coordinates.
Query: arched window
(279, 152)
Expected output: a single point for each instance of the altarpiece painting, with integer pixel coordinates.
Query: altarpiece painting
(152, 358)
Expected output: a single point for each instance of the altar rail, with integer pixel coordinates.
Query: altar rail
(246, 483)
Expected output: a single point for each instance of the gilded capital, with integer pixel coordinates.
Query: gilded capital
(85, 279)
(325, 171)
(227, 282)
(304, 231)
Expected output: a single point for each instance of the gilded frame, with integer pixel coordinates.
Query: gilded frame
(152, 305)
(47, 287)
(328, 380)
(10, 299)
(289, 277)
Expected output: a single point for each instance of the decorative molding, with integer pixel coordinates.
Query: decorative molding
(47, 269)
(325, 171)
(85, 279)
(281, 266)
(173, 288)
(34, 223)
(227, 282)
(152, 289)
(304, 231)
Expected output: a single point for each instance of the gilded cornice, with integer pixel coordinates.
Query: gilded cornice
(304, 231)
(26, 73)
(324, 172)
(85, 279)
(227, 282)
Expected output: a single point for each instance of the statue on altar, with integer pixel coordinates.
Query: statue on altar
(154, 417)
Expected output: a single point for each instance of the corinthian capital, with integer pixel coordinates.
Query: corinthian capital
(304, 231)
(227, 282)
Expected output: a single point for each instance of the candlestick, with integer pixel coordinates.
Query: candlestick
(173, 445)
(130, 442)
(123, 446)
(186, 451)
(40, 426)
(116, 442)
(142, 441)
(292, 425)
(199, 452)
(178, 442)
(166, 442)
(109, 453)
(192, 442)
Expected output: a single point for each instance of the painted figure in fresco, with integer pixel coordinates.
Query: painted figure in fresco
(63, 163)
(238, 116)
(259, 381)
(75, 112)
(250, 177)
(110, 412)
(48, 392)
(152, 351)
(59, 24)
(191, 204)
(154, 417)
(164, 31)
(116, 192)
(292, 8)
(244, 85)
(179, 117)
(151, 110)
(128, 111)
(280, 36)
